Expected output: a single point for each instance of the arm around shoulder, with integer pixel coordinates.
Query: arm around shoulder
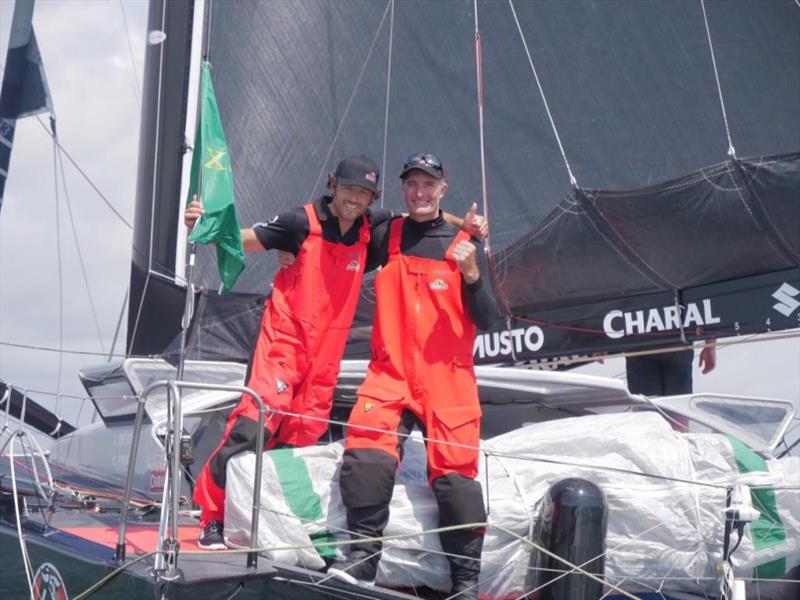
(250, 242)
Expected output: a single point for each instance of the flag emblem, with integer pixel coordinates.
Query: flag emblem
(212, 180)
(368, 406)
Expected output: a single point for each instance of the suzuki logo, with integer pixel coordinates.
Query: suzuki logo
(785, 296)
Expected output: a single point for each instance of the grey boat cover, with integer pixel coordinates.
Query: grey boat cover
(662, 534)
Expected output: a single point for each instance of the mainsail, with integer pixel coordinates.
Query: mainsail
(620, 206)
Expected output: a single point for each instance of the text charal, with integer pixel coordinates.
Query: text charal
(617, 323)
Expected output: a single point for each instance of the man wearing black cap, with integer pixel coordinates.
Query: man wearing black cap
(431, 294)
(296, 359)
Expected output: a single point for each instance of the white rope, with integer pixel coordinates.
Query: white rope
(731, 149)
(573, 567)
(349, 102)
(572, 179)
(386, 111)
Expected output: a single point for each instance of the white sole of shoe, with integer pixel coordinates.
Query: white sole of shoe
(217, 546)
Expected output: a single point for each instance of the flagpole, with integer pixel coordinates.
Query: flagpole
(188, 308)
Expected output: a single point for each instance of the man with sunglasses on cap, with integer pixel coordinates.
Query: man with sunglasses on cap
(431, 294)
(296, 359)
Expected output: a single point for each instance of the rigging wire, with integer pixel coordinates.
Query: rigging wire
(137, 92)
(80, 254)
(85, 176)
(119, 324)
(572, 180)
(501, 294)
(349, 102)
(731, 149)
(51, 349)
(388, 88)
(58, 254)
(566, 360)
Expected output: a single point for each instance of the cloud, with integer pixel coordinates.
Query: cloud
(85, 50)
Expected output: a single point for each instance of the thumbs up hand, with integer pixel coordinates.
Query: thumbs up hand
(476, 225)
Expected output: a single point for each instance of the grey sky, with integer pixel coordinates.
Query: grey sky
(85, 49)
(84, 45)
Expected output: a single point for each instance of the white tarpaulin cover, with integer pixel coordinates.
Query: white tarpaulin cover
(659, 531)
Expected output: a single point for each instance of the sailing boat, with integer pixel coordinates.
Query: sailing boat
(333, 96)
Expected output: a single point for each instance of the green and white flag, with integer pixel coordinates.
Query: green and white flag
(219, 224)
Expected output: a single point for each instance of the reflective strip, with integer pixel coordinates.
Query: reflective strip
(768, 529)
(299, 493)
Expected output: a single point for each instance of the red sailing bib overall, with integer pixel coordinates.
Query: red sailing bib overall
(297, 357)
(422, 344)
(303, 333)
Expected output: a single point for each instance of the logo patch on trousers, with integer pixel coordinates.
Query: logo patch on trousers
(281, 385)
(352, 266)
(439, 284)
(368, 406)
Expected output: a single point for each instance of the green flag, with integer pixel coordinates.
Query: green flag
(219, 224)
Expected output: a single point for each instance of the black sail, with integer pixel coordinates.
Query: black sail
(659, 215)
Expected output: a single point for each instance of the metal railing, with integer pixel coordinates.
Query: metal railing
(169, 546)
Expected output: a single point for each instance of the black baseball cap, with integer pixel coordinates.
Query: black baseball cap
(423, 161)
(359, 171)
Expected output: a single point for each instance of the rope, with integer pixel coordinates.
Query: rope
(572, 179)
(349, 102)
(731, 149)
(573, 567)
(721, 343)
(532, 459)
(479, 85)
(388, 87)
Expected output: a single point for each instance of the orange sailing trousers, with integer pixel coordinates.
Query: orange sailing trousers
(297, 356)
(422, 344)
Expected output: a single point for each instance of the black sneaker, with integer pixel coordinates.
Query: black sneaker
(360, 568)
(210, 536)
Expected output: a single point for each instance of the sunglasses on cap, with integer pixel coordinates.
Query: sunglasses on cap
(424, 161)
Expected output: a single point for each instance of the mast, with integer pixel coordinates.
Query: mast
(156, 300)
